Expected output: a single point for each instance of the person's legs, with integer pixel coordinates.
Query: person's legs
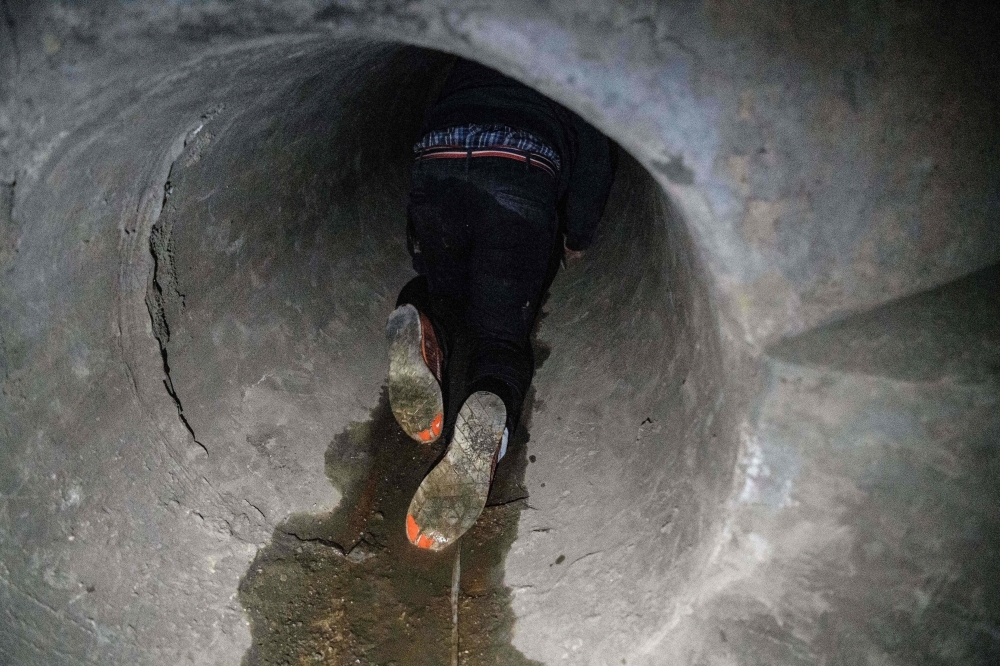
(440, 242)
(506, 237)
(483, 234)
(513, 251)
(430, 308)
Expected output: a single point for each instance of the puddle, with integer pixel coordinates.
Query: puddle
(350, 589)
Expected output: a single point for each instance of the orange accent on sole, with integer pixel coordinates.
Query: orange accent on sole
(412, 529)
(413, 534)
(432, 432)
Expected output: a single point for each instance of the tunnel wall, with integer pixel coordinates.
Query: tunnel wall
(634, 453)
(812, 183)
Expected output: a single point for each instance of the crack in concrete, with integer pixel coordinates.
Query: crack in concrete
(8, 20)
(7, 201)
(169, 385)
(319, 540)
(8, 234)
(156, 295)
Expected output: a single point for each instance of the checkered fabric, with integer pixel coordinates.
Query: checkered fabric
(486, 136)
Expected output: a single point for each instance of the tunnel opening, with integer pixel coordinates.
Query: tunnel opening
(277, 254)
(252, 290)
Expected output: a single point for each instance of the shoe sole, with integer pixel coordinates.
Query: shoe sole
(453, 494)
(414, 392)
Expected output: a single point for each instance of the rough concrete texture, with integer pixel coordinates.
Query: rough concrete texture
(768, 427)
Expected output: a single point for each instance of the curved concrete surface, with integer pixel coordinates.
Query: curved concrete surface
(766, 432)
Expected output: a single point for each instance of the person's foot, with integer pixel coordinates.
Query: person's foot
(415, 363)
(453, 494)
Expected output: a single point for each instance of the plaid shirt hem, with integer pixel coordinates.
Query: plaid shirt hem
(485, 136)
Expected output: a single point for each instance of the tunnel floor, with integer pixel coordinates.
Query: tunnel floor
(348, 588)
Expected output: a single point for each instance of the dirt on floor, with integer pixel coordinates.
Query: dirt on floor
(349, 588)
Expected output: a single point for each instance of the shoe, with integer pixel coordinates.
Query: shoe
(453, 494)
(415, 365)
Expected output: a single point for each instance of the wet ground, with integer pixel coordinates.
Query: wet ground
(350, 589)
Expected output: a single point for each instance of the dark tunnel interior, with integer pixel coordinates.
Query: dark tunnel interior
(279, 251)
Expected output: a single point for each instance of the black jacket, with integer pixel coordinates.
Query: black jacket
(474, 94)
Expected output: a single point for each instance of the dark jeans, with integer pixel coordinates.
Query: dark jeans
(484, 236)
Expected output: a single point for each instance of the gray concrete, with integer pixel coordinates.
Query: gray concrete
(768, 427)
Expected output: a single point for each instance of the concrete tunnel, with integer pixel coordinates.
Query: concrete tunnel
(765, 424)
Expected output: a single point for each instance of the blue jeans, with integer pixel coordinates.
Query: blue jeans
(484, 236)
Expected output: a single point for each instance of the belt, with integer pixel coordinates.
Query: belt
(458, 152)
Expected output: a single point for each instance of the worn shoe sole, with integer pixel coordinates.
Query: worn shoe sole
(414, 391)
(453, 494)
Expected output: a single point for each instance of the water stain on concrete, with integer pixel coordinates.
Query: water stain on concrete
(348, 588)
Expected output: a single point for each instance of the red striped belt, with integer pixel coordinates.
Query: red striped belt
(457, 152)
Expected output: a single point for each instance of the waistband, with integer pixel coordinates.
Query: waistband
(480, 137)
(452, 152)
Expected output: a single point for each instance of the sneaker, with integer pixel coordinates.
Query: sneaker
(453, 494)
(415, 364)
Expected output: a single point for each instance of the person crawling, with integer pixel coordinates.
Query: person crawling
(506, 185)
